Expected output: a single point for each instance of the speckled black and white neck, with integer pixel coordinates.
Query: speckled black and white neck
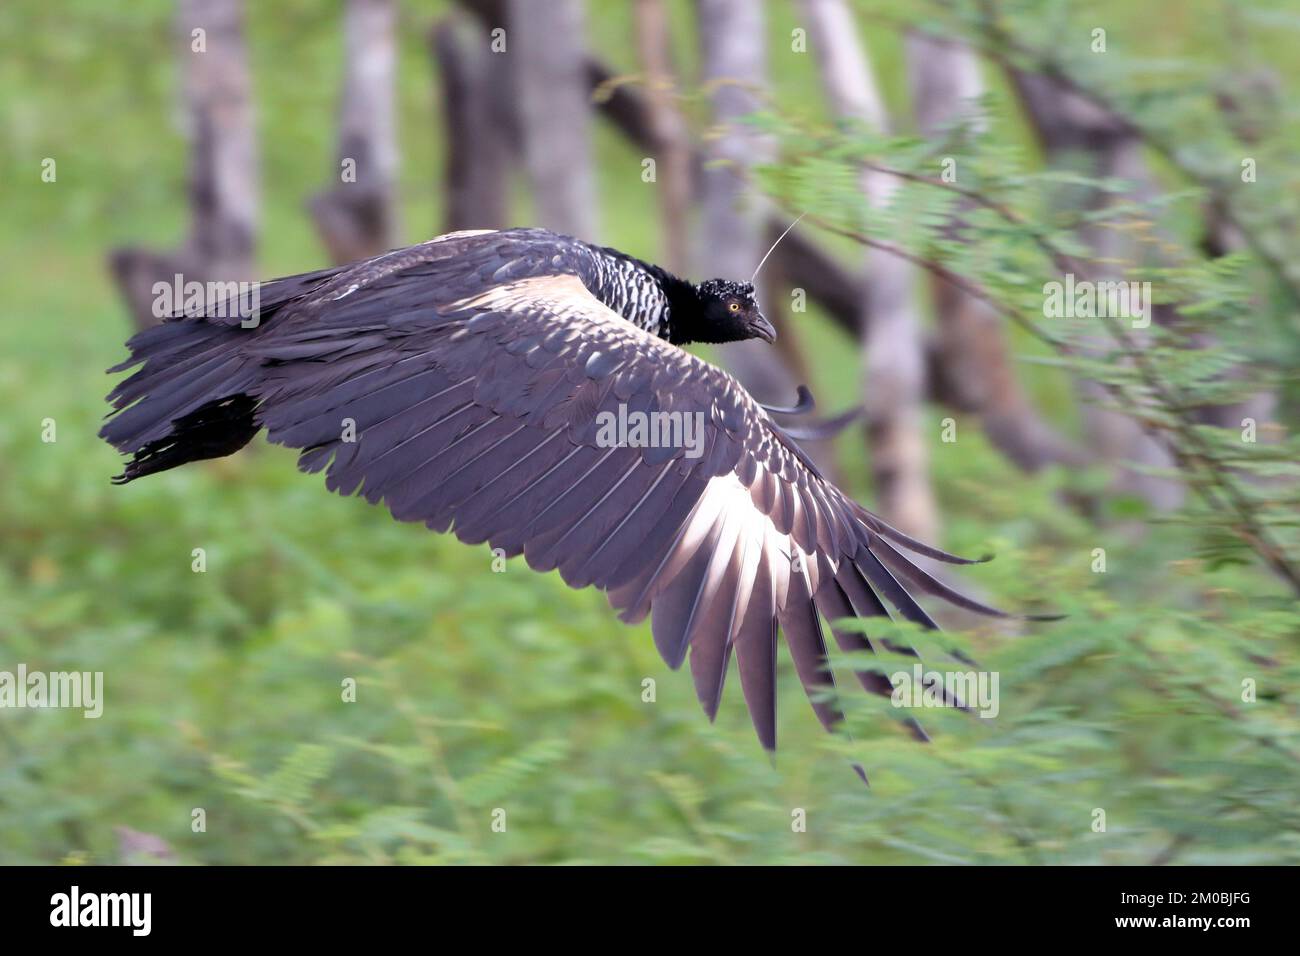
(650, 297)
(644, 294)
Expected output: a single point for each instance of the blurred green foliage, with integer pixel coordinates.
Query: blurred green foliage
(479, 691)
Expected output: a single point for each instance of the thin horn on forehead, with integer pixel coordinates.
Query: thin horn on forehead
(774, 245)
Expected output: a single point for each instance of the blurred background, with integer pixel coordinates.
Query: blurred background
(952, 160)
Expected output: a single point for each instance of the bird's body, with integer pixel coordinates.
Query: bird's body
(464, 381)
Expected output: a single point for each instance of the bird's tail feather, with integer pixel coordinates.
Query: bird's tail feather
(218, 428)
(195, 393)
(188, 401)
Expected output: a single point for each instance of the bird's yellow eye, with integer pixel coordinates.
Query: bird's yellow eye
(734, 307)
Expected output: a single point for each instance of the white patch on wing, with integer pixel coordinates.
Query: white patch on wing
(460, 234)
(733, 526)
(726, 498)
(752, 536)
(563, 296)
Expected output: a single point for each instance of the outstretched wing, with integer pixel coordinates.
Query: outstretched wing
(482, 414)
(470, 383)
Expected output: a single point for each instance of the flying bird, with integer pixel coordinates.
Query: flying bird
(462, 382)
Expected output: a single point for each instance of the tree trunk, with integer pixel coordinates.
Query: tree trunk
(972, 366)
(734, 71)
(356, 218)
(223, 179)
(545, 43)
(1075, 132)
(894, 365)
(671, 150)
(477, 125)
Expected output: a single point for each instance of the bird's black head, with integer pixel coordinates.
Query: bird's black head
(726, 312)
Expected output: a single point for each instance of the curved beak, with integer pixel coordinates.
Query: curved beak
(760, 328)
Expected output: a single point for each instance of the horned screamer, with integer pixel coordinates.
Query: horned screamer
(476, 369)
